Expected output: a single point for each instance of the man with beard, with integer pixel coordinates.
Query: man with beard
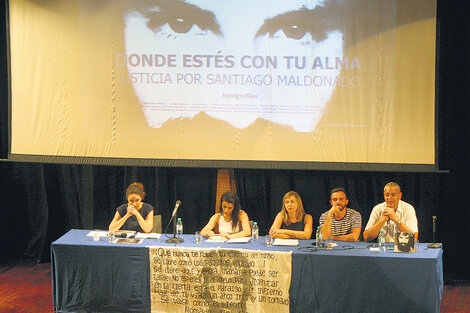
(340, 222)
(393, 215)
(404, 242)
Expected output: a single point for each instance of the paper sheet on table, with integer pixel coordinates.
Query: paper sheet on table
(239, 240)
(331, 244)
(216, 239)
(286, 242)
(148, 236)
(101, 233)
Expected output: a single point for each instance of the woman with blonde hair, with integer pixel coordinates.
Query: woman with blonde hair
(292, 221)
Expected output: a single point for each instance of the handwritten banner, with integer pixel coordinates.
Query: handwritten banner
(219, 280)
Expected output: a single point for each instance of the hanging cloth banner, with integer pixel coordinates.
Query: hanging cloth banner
(214, 280)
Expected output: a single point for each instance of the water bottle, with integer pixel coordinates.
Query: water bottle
(179, 228)
(254, 232)
(381, 241)
(318, 237)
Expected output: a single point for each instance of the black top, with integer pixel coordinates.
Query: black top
(295, 226)
(132, 223)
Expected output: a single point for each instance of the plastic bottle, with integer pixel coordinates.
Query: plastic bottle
(179, 228)
(254, 232)
(318, 237)
(381, 241)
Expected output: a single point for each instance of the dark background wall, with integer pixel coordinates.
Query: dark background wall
(40, 202)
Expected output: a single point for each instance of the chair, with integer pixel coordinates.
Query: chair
(157, 224)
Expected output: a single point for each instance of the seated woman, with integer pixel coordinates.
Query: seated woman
(231, 222)
(135, 215)
(292, 221)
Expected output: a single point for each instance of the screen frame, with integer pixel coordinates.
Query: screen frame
(206, 163)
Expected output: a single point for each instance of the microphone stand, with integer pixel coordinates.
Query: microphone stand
(434, 245)
(174, 239)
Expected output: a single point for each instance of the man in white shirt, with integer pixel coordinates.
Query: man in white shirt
(393, 215)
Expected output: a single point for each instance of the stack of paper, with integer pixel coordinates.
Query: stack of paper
(239, 240)
(216, 239)
(286, 242)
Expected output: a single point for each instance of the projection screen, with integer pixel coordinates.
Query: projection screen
(230, 83)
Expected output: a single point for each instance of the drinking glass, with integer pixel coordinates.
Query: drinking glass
(269, 241)
(111, 236)
(198, 237)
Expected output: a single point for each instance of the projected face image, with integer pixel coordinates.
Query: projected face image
(235, 60)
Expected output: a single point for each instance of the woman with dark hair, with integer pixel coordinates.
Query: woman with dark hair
(135, 215)
(230, 222)
(292, 221)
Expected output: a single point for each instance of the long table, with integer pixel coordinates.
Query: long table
(100, 276)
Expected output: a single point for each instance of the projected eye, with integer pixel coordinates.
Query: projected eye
(182, 18)
(293, 31)
(290, 30)
(180, 25)
(296, 24)
(177, 24)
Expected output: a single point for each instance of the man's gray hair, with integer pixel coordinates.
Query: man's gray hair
(393, 184)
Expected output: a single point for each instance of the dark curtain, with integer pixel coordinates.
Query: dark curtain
(261, 193)
(40, 202)
(3, 85)
(43, 201)
(364, 191)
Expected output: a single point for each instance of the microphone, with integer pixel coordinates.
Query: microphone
(177, 205)
(434, 245)
(126, 235)
(174, 239)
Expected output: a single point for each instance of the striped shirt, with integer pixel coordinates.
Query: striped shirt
(344, 226)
